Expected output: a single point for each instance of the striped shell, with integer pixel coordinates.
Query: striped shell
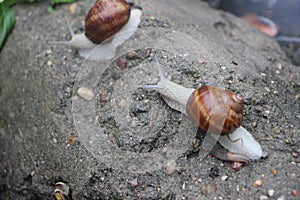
(215, 110)
(105, 19)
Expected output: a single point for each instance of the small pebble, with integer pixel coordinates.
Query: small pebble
(257, 183)
(254, 124)
(271, 193)
(295, 154)
(286, 141)
(71, 139)
(294, 192)
(121, 63)
(263, 197)
(170, 167)
(282, 197)
(133, 183)
(263, 74)
(274, 171)
(279, 66)
(224, 178)
(267, 89)
(49, 51)
(122, 103)
(85, 93)
(237, 166)
(49, 63)
(72, 8)
(132, 55)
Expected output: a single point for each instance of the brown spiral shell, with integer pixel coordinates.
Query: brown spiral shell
(105, 19)
(217, 110)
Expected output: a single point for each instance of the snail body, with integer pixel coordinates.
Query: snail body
(107, 25)
(214, 110)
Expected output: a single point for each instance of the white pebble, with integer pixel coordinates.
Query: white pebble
(263, 197)
(224, 178)
(271, 193)
(85, 93)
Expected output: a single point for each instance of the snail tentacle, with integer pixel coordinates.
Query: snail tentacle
(169, 91)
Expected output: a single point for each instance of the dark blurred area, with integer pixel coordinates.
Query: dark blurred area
(277, 18)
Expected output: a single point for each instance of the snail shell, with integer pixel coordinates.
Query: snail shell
(216, 109)
(105, 19)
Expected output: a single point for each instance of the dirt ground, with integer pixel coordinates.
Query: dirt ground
(128, 143)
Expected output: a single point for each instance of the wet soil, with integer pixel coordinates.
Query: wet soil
(139, 147)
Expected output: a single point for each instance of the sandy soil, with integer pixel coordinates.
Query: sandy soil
(120, 156)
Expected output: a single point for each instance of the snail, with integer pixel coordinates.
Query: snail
(215, 110)
(107, 25)
(61, 191)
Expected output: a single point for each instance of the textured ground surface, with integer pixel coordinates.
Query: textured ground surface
(36, 117)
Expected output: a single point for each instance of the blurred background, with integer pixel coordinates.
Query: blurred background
(279, 19)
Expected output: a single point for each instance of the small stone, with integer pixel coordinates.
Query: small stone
(224, 178)
(132, 55)
(282, 197)
(295, 154)
(271, 193)
(279, 66)
(254, 124)
(85, 93)
(263, 74)
(72, 8)
(122, 103)
(170, 167)
(71, 139)
(263, 197)
(267, 89)
(274, 171)
(287, 141)
(294, 192)
(121, 63)
(133, 183)
(49, 63)
(237, 166)
(257, 183)
(49, 51)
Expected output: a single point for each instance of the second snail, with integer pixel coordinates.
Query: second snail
(216, 111)
(108, 24)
